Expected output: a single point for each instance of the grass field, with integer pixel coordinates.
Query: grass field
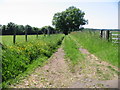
(103, 49)
(8, 39)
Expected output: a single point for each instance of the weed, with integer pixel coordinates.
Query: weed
(26, 56)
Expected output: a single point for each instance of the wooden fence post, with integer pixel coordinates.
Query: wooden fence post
(101, 33)
(107, 34)
(110, 35)
(14, 34)
(14, 37)
(26, 34)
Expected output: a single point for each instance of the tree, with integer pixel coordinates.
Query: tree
(21, 29)
(69, 20)
(12, 27)
(47, 30)
(27, 28)
(0, 29)
(36, 30)
(51, 30)
(44, 30)
(4, 27)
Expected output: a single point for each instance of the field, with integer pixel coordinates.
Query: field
(21, 59)
(8, 39)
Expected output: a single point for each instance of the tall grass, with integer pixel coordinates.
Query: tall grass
(105, 50)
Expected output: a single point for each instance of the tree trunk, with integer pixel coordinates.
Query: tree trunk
(65, 32)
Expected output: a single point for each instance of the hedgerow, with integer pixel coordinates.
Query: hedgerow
(17, 58)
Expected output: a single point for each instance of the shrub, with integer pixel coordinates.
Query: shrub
(17, 58)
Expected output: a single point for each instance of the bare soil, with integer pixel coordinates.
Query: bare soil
(54, 74)
(92, 73)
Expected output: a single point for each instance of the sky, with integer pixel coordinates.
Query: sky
(101, 14)
(119, 15)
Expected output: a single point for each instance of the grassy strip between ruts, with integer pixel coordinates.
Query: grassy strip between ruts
(103, 49)
(20, 59)
(72, 51)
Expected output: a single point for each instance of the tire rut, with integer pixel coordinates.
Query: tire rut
(91, 73)
(96, 73)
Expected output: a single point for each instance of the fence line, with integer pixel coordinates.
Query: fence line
(110, 35)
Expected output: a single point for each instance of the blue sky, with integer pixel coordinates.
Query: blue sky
(38, 13)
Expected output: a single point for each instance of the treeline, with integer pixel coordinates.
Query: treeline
(72, 19)
(12, 28)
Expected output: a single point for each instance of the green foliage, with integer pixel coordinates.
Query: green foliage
(47, 30)
(69, 20)
(36, 30)
(16, 59)
(12, 28)
(72, 50)
(103, 49)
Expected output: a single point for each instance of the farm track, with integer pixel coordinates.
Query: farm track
(94, 73)
(97, 73)
(54, 74)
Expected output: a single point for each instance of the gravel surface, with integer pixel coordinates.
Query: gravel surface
(92, 73)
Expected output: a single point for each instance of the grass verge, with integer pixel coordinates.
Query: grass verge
(20, 59)
(103, 49)
(40, 61)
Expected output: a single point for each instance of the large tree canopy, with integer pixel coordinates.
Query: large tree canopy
(69, 20)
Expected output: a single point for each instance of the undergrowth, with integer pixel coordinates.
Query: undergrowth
(20, 59)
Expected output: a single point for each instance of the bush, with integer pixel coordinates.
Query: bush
(17, 58)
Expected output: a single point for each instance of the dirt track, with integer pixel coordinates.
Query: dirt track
(96, 73)
(54, 74)
(57, 74)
